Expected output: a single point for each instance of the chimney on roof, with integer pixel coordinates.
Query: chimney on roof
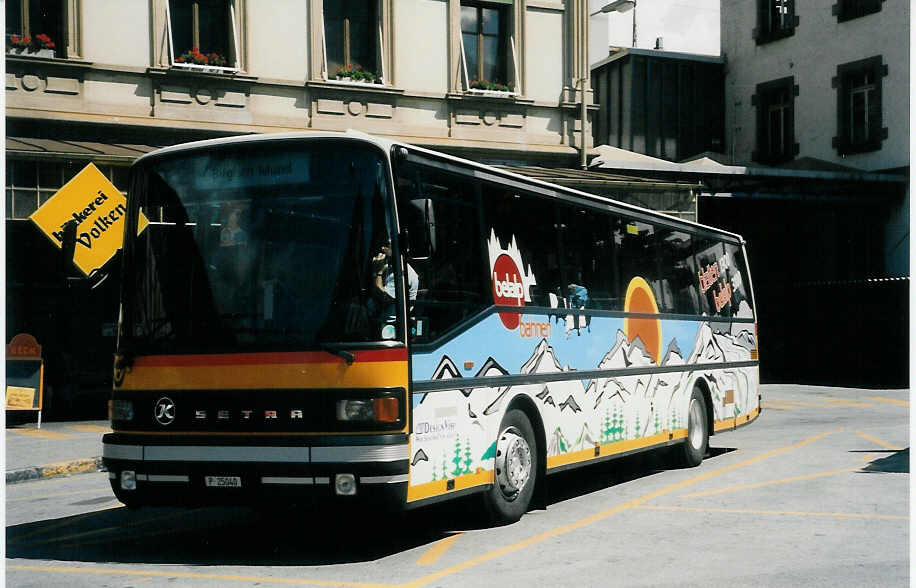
(659, 44)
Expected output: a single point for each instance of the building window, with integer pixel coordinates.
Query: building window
(776, 19)
(859, 112)
(850, 9)
(351, 39)
(775, 103)
(30, 183)
(485, 45)
(203, 34)
(40, 24)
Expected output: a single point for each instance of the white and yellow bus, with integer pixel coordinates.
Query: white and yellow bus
(339, 316)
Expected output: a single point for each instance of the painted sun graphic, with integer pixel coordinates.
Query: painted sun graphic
(640, 299)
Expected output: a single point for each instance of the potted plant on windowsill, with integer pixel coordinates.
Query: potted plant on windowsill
(356, 73)
(492, 88)
(40, 45)
(194, 57)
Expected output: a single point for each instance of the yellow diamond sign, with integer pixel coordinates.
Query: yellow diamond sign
(99, 210)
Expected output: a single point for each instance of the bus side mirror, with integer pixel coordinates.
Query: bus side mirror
(420, 229)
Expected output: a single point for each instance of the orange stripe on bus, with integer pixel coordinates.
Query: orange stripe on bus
(271, 376)
(222, 359)
(438, 487)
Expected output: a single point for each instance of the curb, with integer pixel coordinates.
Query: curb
(56, 470)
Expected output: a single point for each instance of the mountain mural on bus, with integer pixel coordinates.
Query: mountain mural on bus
(454, 430)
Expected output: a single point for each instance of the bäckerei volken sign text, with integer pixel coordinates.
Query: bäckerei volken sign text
(99, 210)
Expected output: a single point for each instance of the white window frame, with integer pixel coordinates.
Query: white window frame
(380, 56)
(205, 68)
(513, 62)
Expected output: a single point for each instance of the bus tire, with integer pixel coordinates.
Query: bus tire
(516, 467)
(697, 441)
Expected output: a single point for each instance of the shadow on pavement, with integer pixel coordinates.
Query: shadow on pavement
(897, 463)
(287, 536)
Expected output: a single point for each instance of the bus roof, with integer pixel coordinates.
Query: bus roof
(387, 144)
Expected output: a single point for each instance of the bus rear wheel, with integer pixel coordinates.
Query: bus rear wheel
(697, 442)
(516, 466)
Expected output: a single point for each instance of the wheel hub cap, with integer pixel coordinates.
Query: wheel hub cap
(513, 463)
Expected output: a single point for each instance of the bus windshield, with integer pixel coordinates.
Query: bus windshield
(267, 246)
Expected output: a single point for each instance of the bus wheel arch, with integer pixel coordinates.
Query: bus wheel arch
(699, 425)
(518, 465)
(703, 386)
(527, 405)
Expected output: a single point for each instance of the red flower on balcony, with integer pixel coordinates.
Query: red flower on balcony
(20, 41)
(194, 56)
(44, 41)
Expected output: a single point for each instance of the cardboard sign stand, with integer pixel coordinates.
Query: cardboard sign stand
(24, 375)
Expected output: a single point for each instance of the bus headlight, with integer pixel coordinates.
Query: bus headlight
(383, 409)
(120, 410)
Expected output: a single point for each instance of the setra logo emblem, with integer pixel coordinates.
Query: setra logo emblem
(165, 411)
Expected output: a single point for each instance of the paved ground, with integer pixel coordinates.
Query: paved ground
(815, 493)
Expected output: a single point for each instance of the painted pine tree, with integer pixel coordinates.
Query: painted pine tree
(637, 429)
(457, 458)
(606, 430)
(656, 423)
(674, 422)
(468, 460)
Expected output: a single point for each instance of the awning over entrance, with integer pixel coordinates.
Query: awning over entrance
(27, 147)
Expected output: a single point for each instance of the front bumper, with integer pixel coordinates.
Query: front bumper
(173, 471)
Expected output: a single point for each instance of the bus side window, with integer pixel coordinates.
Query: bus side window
(676, 272)
(451, 274)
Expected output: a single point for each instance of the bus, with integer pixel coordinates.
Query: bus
(336, 316)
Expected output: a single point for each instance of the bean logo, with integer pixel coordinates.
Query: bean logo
(510, 283)
(507, 289)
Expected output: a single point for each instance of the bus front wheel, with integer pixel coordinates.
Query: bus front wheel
(697, 442)
(516, 470)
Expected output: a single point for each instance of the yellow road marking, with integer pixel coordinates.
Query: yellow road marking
(837, 515)
(55, 495)
(192, 576)
(39, 433)
(436, 551)
(604, 514)
(878, 441)
(90, 428)
(131, 524)
(889, 400)
(770, 483)
(844, 402)
(636, 502)
(868, 457)
(48, 528)
(780, 406)
(798, 402)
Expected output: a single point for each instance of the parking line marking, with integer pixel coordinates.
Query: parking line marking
(838, 515)
(438, 548)
(769, 483)
(130, 524)
(90, 428)
(192, 576)
(39, 433)
(889, 400)
(55, 495)
(878, 441)
(54, 527)
(845, 402)
(561, 530)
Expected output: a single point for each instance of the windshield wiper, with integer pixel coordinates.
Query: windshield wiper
(342, 353)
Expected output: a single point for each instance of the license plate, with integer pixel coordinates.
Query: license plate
(223, 481)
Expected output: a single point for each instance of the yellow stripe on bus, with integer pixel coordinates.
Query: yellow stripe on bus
(614, 448)
(439, 487)
(379, 374)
